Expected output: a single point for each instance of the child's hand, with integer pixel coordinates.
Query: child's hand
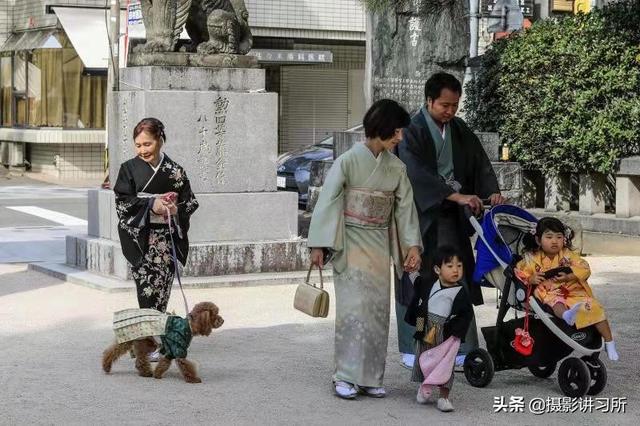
(536, 278)
(413, 260)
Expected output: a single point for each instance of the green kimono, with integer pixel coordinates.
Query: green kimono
(365, 215)
(177, 338)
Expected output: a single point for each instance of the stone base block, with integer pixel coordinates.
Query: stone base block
(592, 194)
(189, 78)
(185, 59)
(627, 196)
(491, 144)
(509, 175)
(248, 216)
(97, 255)
(557, 193)
(104, 257)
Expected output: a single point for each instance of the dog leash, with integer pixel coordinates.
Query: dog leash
(175, 260)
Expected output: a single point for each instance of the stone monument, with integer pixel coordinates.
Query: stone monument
(410, 40)
(221, 126)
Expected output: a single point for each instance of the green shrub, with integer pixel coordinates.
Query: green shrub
(565, 93)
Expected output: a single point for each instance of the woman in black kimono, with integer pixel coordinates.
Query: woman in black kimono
(150, 187)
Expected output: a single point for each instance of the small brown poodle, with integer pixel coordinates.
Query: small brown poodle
(175, 342)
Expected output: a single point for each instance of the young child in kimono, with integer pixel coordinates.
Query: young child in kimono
(443, 315)
(567, 293)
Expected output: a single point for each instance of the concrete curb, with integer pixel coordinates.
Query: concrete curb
(110, 285)
(605, 223)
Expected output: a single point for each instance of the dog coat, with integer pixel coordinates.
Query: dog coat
(174, 331)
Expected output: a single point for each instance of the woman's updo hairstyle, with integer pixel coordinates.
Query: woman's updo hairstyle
(151, 125)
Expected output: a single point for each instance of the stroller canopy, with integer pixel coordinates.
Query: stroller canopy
(503, 228)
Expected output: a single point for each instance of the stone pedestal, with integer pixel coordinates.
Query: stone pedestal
(221, 126)
(509, 176)
(592, 193)
(491, 144)
(628, 187)
(627, 196)
(557, 192)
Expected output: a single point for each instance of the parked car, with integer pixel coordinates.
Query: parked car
(294, 167)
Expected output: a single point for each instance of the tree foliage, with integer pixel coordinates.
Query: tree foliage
(565, 93)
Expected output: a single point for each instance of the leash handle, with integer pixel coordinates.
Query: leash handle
(175, 260)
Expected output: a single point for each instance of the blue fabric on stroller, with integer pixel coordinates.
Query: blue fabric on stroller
(485, 259)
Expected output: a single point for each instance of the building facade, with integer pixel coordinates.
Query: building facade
(53, 77)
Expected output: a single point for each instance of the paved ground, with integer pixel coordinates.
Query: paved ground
(36, 214)
(269, 364)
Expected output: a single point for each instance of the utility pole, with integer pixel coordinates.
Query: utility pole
(114, 46)
(474, 18)
(113, 72)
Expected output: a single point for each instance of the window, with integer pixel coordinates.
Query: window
(51, 89)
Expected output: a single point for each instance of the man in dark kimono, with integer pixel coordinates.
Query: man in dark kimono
(448, 170)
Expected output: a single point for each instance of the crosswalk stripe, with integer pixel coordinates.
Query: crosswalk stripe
(53, 216)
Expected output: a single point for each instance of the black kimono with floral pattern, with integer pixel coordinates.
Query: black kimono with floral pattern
(147, 245)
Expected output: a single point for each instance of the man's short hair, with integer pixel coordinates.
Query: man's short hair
(383, 118)
(438, 81)
(446, 254)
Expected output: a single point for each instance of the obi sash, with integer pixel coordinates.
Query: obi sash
(368, 208)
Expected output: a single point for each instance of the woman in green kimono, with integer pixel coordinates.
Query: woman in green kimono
(365, 215)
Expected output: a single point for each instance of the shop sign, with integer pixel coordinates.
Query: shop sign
(293, 56)
(486, 8)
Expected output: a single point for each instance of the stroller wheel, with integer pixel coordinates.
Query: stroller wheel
(574, 377)
(598, 374)
(478, 368)
(542, 371)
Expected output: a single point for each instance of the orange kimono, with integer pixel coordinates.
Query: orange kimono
(568, 293)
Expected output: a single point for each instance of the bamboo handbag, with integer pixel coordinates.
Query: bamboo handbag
(310, 299)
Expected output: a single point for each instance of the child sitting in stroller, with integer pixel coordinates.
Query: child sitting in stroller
(560, 276)
(443, 313)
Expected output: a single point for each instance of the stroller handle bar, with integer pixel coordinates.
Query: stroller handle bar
(478, 228)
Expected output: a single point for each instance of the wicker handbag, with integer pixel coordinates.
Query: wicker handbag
(310, 299)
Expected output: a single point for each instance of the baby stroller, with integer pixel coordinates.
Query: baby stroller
(499, 247)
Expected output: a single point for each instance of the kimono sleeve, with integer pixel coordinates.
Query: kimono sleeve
(429, 188)
(406, 215)
(579, 266)
(132, 210)
(525, 269)
(327, 222)
(187, 204)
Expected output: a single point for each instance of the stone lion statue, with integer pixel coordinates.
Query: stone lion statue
(214, 26)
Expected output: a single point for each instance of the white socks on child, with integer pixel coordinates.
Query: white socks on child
(569, 316)
(610, 347)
